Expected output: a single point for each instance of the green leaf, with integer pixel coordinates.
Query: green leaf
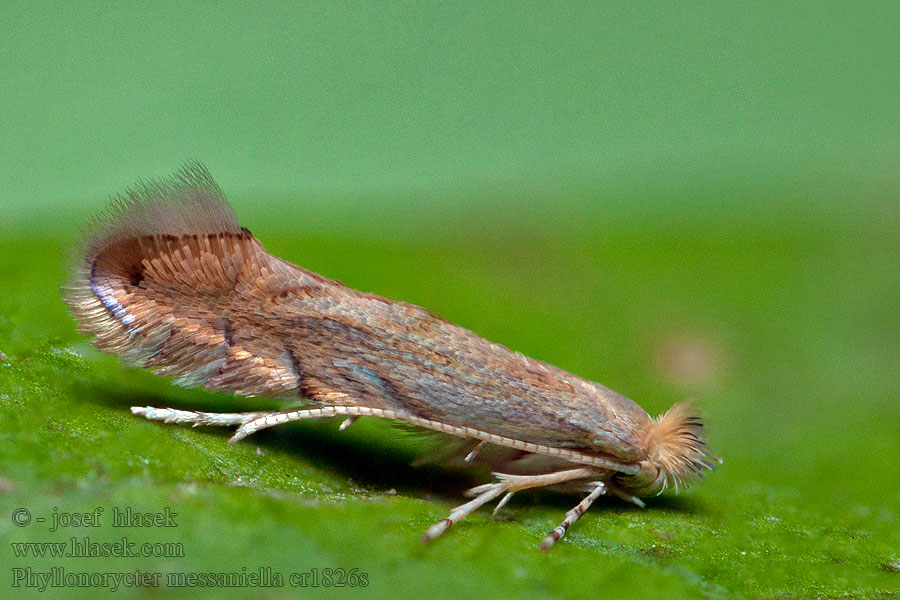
(781, 324)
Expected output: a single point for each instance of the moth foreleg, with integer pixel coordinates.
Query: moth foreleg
(195, 418)
(488, 493)
(573, 515)
(508, 484)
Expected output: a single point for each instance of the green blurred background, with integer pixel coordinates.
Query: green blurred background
(696, 201)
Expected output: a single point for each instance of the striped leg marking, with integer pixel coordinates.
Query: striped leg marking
(572, 516)
(461, 512)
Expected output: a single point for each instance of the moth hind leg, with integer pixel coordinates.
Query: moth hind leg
(508, 484)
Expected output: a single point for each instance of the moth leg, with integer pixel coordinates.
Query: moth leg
(508, 484)
(620, 493)
(573, 515)
(475, 451)
(195, 418)
(488, 493)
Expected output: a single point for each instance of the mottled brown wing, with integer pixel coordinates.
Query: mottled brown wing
(168, 280)
(155, 280)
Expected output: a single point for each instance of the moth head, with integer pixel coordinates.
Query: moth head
(676, 454)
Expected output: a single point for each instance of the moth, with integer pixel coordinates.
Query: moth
(168, 280)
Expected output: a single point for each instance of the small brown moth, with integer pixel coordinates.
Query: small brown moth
(168, 280)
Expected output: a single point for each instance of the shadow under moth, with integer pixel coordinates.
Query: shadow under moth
(168, 280)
